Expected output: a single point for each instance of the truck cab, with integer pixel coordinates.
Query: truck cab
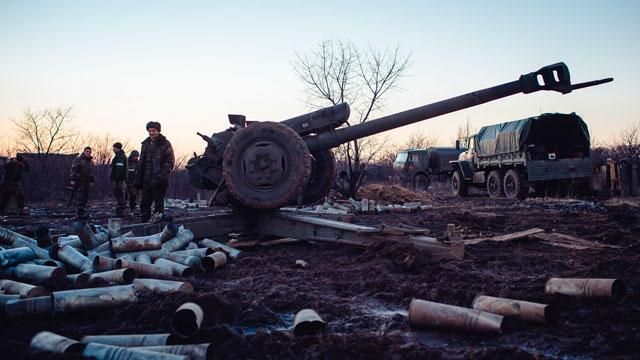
(416, 168)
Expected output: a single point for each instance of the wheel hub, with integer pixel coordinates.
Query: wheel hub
(264, 165)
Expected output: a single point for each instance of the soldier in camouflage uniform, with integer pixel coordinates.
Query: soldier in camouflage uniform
(11, 184)
(118, 177)
(132, 169)
(82, 179)
(156, 163)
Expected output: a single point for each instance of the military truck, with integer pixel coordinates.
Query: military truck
(535, 153)
(416, 167)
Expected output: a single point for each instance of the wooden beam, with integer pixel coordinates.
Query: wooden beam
(507, 237)
(571, 242)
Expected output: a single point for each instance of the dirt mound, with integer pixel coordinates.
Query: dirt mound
(392, 194)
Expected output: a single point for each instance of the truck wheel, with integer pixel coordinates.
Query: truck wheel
(514, 187)
(421, 182)
(458, 185)
(494, 184)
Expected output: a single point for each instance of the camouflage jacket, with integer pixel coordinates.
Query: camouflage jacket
(156, 162)
(132, 169)
(13, 170)
(119, 167)
(82, 169)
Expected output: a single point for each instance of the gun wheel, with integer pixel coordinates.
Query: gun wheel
(266, 165)
(323, 173)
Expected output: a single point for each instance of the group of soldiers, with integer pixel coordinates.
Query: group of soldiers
(146, 172)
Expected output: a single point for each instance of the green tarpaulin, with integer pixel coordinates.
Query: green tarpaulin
(566, 130)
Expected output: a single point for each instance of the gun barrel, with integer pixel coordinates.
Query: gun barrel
(553, 77)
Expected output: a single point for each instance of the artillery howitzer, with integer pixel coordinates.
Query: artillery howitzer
(265, 165)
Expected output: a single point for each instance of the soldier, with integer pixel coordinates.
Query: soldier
(82, 179)
(132, 169)
(118, 176)
(156, 163)
(11, 184)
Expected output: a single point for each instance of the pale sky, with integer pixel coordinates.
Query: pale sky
(187, 64)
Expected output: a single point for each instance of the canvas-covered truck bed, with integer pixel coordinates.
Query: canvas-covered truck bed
(552, 146)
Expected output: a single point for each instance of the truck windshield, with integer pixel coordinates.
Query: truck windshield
(400, 160)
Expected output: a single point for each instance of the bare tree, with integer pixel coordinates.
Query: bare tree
(46, 132)
(340, 72)
(627, 145)
(465, 130)
(102, 146)
(419, 140)
(7, 146)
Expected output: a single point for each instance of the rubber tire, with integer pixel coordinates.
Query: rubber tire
(295, 174)
(458, 185)
(323, 175)
(495, 182)
(421, 183)
(514, 186)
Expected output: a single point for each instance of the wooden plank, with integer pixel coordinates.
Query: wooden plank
(325, 215)
(279, 241)
(567, 246)
(404, 229)
(239, 244)
(507, 237)
(572, 242)
(584, 242)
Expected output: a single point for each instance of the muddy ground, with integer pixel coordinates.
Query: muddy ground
(363, 294)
